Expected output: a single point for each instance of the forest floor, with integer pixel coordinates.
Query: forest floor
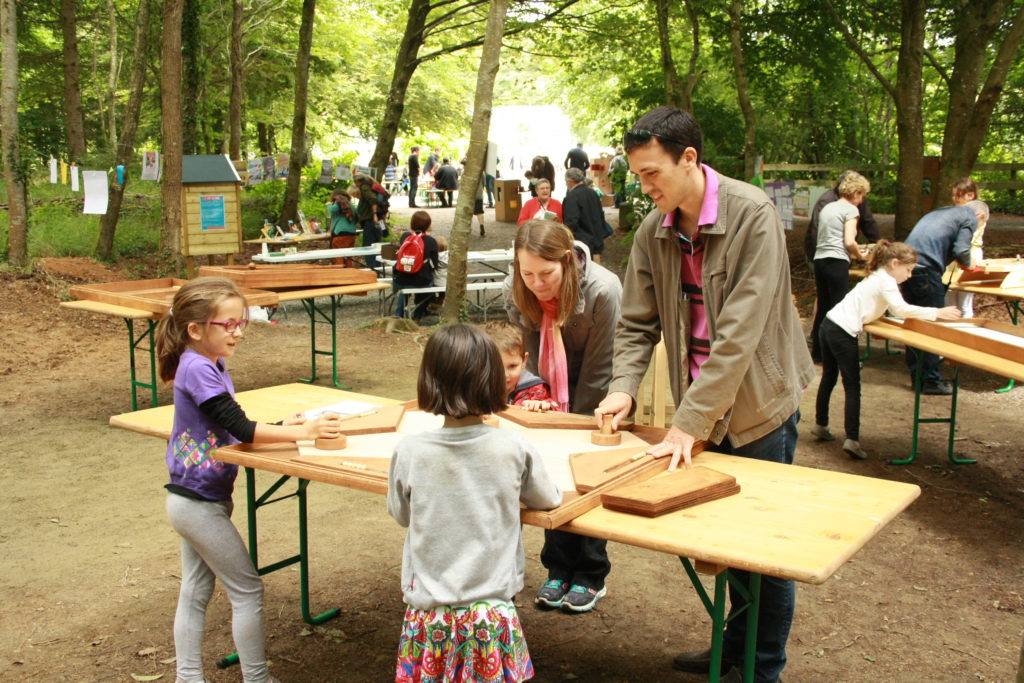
(90, 574)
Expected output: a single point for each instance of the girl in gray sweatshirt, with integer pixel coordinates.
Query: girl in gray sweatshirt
(458, 490)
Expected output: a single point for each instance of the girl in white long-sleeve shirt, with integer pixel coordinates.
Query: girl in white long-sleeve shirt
(891, 263)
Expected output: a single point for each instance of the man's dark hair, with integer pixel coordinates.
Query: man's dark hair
(675, 129)
(415, 148)
(445, 161)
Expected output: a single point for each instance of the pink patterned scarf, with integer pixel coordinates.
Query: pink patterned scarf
(552, 364)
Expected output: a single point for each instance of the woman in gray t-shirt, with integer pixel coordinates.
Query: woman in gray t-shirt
(837, 245)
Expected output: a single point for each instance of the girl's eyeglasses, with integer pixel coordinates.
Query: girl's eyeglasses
(638, 137)
(230, 325)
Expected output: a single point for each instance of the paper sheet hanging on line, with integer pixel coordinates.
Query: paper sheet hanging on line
(74, 178)
(150, 166)
(63, 173)
(342, 409)
(53, 170)
(95, 191)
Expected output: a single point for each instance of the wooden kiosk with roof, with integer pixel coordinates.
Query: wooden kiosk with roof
(211, 214)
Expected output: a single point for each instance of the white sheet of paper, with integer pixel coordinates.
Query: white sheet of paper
(53, 170)
(342, 409)
(554, 445)
(95, 191)
(74, 178)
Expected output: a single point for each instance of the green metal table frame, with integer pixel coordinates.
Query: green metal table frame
(716, 609)
(253, 503)
(143, 342)
(323, 315)
(1013, 308)
(867, 348)
(918, 420)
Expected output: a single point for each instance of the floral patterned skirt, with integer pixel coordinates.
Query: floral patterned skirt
(482, 642)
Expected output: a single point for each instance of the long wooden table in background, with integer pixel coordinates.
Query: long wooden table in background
(318, 315)
(958, 355)
(788, 521)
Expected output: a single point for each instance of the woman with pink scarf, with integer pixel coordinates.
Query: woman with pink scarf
(568, 307)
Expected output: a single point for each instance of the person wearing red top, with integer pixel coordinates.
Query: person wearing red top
(540, 204)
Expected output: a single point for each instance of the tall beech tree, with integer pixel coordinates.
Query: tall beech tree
(14, 173)
(75, 122)
(126, 145)
(170, 125)
(490, 60)
(298, 148)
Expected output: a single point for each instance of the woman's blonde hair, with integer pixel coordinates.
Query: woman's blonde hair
(851, 183)
(886, 251)
(551, 241)
(195, 302)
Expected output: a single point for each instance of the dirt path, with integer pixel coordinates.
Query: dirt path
(89, 576)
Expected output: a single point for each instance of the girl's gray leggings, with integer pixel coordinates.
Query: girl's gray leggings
(211, 548)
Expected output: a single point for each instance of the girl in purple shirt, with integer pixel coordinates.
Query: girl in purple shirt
(206, 321)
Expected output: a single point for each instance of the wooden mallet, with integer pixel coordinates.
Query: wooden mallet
(606, 436)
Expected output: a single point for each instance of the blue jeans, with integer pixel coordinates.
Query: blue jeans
(778, 596)
(924, 288)
(371, 235)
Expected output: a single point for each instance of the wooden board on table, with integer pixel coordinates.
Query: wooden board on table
(997, 273)
(290, 275)
(154, 296)
(552, 420)
(596, 468)
(674, 491)
(1006, 340)
(384, 419)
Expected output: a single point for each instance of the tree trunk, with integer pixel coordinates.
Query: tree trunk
(970, 111)
(14, 174)
(298, 148)
(490, 60)
(126, 147)
(673, 86)
(908, 95)
(693, 74)
(170, 124)
(742, 94)
(112, 77)
(72, 81)
(235, 105)
(191, 48)
(405, 67)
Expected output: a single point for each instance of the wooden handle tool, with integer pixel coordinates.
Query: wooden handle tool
(606, 436)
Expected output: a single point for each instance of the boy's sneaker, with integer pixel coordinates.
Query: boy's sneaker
(551, 594)
(821, 433)
(581, 599)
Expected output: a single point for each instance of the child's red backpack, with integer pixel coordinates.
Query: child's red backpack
(410, 254)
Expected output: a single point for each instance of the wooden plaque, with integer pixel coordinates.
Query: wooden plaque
(999, 273)
(154, 296)
(553, 420)
(674, 491)
(595, 468)
(290, 275)
(385, 419)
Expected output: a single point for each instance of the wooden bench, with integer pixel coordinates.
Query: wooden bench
(484, 289)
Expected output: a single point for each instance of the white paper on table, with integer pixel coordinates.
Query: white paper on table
(53, 170)
(342, 409)
(95, 191)
(74, 178)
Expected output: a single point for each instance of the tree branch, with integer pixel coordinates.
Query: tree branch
(855, 46)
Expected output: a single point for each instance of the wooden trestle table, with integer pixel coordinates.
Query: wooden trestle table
(788, 521)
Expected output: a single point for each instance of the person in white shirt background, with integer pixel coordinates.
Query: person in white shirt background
(890, 264)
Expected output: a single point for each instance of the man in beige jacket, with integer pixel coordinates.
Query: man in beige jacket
(709, 272)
